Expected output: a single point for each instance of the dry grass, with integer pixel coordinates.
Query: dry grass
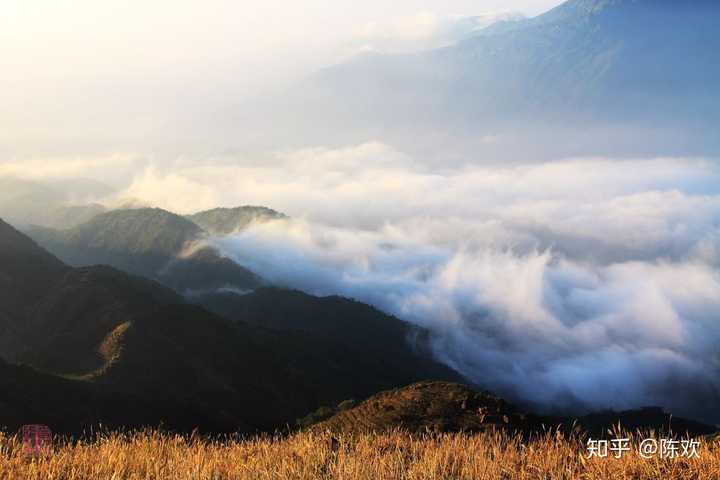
(152, 455)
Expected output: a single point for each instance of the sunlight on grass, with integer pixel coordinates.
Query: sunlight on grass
(492, 455)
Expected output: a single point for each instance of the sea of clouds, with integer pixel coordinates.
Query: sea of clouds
(578, 284)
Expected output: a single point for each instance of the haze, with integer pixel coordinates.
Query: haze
(88, 77)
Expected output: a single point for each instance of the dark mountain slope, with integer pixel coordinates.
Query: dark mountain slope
(353, 325)
(292, 310)
(28, 396)
(24, 260)
(64, 329)
(112, 336)
(22, 264)
(148, 242)
(224, 221)
(349, 334)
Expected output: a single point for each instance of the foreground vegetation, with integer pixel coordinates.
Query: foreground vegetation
(492, 455)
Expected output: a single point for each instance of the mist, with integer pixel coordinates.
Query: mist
(567, 286)
(573, 285)
(160, 77)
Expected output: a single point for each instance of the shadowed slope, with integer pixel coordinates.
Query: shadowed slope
(114, 336)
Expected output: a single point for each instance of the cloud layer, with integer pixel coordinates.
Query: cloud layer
(579, 284)
(535, 326)
(592, 209)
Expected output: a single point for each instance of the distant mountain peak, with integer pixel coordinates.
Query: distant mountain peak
(140, 230)
(583, 8)
(578, 9)
(225, 221)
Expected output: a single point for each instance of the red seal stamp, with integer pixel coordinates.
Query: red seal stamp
(37, 439)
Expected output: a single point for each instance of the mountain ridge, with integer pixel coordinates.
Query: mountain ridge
(151, 242)
(225, 221)
(443, 407)
(100, 337)
(634, 72)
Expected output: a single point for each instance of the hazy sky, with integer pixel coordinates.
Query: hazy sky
(78, 71)
(65, 39)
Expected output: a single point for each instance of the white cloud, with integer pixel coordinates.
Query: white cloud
(582, 207)
(55, 168)
(169, 191)
(586, 283)
(535, 327)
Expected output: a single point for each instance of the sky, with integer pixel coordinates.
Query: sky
(81, 74)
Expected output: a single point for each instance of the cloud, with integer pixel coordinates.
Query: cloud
(576, 284)
(573, 284)
(108, 167)
(536, 327)
(582, 207)
(170, 191)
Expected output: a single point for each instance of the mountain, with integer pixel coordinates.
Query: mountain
(95, 345)
(124, 350)
(429, 406)
(343, 333)
(623, 77)
(225, 221)
(22, 263)
(150, 242)
(449, 407)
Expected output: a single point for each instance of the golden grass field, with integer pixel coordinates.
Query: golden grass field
(492, 455)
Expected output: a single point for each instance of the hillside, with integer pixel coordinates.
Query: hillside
(27, 395)
(442, 407)
(224, 221)
(102, 346)
(139, 232)
(335, 335)
(429, 407)
(150, 242)
(112, 336)
(22, 264)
